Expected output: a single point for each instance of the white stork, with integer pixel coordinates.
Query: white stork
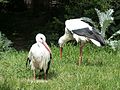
(40, 55)
(82, 32)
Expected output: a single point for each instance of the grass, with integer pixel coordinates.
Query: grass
(100, 70)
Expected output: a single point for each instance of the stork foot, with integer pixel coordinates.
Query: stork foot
(79, 63)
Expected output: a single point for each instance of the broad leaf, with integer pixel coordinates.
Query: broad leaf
(115, 44)
(115, 34)
(105, 18)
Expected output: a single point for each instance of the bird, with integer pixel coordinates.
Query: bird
(81, 31)
(40, 56)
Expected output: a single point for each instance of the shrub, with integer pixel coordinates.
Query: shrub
(4, 43)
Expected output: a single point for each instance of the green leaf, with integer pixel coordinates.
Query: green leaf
(4, 43)
(115, 34)
(105, 19)
(114, 44)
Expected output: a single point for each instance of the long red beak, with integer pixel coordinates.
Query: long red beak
(61, 52)
(47, 47)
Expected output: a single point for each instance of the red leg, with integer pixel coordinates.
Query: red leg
(39, 75)
(45, 76)
(61, 52)
(81, 47)
(34, 75)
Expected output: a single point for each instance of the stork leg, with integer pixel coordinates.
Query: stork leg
(45, 76)
(40, 74)
(34, 75)
(80, 58)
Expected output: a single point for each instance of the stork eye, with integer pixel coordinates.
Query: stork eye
(41, 38)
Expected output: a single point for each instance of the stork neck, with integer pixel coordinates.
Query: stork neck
(63, 40)
(67, 37)
(46, 46)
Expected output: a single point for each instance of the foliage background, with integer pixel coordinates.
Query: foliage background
(20, 21)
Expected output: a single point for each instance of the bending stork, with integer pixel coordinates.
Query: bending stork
(81, 32)
(39, 55)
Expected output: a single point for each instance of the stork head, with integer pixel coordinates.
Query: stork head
(40, 38)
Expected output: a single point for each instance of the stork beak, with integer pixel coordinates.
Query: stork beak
(61, 49)
(47, 47)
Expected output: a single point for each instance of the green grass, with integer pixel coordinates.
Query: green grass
(100, 70)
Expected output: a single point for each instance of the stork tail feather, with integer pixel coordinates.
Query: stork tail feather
(28, 61)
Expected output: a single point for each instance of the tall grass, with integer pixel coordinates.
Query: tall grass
(100, 70)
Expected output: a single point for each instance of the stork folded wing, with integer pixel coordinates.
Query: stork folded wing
(92, 34)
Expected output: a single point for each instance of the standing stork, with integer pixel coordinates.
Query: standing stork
(40, 55)
(81, 32)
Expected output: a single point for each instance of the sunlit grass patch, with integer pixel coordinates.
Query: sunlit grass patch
(98, 71)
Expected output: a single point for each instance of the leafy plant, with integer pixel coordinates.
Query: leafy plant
(114, 43)
(105, 19)
(4, 43)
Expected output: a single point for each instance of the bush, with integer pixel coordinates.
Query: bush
(4, 43)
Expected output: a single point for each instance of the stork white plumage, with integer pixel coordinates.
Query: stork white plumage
(81, 32)
(40, 55)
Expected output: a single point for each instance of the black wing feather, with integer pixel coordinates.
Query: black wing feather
(93, 34)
